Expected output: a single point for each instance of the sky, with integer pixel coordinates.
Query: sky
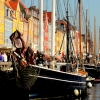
(93, 7)
(93, 11)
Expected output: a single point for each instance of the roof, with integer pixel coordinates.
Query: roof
(48, 15)
(23, 7)
(65, 22)
(24, 11)
(8, 4)
(12, 4)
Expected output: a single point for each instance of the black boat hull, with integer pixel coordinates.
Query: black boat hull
(49, 83)
(53, 83)
(93, 71)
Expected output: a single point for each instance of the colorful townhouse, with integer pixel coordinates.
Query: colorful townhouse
(25, 15)
(8, 24)
(46, 35)
(35, 14)
(60, 42)
(30, 37)
(60, 37)
(2, 14)
(25, 30)
(49, 31)
(20, 15)
(17, 23)
(49, 38)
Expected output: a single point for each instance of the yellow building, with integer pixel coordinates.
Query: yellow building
(30, 37)
(17, 23)
(2, 9)
(58, 41)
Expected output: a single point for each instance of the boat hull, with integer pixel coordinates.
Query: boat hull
(50, 88)
(93, 71)
(49, 83)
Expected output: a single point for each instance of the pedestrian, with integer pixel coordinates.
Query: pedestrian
(1, 57)
(4, 56)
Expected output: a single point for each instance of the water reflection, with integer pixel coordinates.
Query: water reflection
(94, 93)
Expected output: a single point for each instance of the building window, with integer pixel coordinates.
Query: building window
(32, 12)
(7, 11)
(1, 36)
(2, 5)
(6, 41)
(1, 20)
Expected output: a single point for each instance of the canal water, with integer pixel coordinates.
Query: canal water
(93, 94)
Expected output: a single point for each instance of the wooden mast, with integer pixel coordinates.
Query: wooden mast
(86, 30)
(91, 47)
(99, 43)
(99, 39)
(67, 34)
(80, 25)
(94, 38)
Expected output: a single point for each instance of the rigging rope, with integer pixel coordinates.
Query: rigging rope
(57, 9)
(60, 13)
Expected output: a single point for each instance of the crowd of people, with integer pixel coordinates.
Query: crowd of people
(5, 56)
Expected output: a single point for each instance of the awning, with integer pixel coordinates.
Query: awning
(5, 47)
(57, 57)
(2, 46)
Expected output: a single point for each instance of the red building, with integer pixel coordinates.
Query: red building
(46, 35)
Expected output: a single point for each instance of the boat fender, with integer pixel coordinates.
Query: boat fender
(89, 84)
(76, 92)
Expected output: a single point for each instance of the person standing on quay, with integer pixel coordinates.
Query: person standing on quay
(1, 57)
(4, 56)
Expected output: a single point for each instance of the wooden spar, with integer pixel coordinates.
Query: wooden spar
(99, 39)
(80, 25)
(91, 48)
(86, 30)
(99, 44)
(67, 36)
(94, 37)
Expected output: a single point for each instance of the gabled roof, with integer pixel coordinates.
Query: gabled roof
(23, 7)
(12, 4)
(65, 22)
(48, 15)
(7, 3)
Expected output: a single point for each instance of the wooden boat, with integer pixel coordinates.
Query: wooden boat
(93, 70)
(38, 81)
